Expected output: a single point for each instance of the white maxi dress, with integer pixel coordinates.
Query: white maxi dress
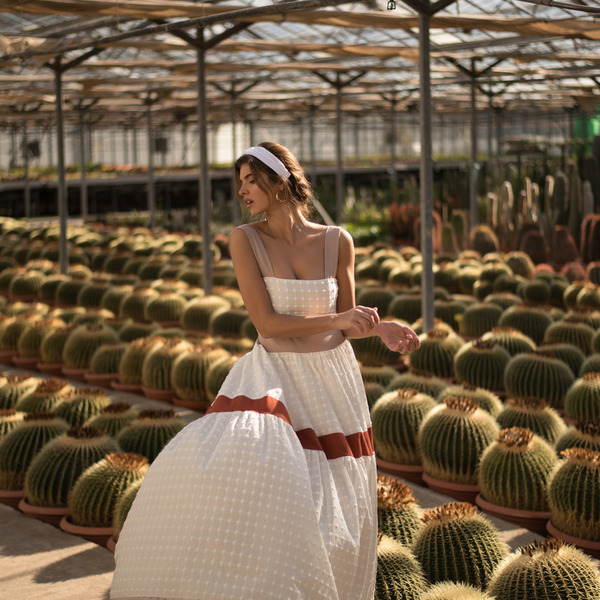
(272, 494)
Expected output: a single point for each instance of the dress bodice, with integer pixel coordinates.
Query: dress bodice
(301, 297)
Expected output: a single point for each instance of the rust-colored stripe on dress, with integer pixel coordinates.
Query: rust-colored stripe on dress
(334, 445)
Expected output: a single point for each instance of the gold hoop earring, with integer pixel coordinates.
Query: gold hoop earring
(280, 200)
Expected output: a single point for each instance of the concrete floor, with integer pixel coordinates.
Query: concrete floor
(39, 561)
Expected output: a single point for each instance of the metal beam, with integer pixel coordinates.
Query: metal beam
(593, 10)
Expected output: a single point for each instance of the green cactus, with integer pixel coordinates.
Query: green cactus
(52, 346)
(15, 387)
(399, 575)
(156, 368)
(530, 320)
(452, 438)
(91, 294)
(372, 351)
(93, 316)
(511, 339)
(67, 291)
(197, 314)
(482, 364)
(47, 396)
(482, 239)
(123, 506)
(150, 432)
(54, 470)
(9, 419)
(546, 570)
(68, 315)
(449, 590)
(132, 361)
(485, 399)
(83, 342)
(112, 418)
(582, 400)
(423, 382)
(479, 318)
(13, 331)
(436, 353)
(82, 405)
(227, 322)
(167, 307)
(25, 286)
(449, 311)
(520, 263)
(19, 447)
(571, 331)
(533, 414)
(189, 372)
(590, 365)
(572, 292)
(106, 358)
(113, 297)
(381, 375)
(396, 418)
(217, 374)
(115, 263)
(398, 514)
(456, 543)
(502, 299)
(30, 340)
(584, 434)
(534, 374)
(568, 353)
(7, 275)
(406, 305)
(97, 490)
(134, 305)
(514, 470)
(133, 330)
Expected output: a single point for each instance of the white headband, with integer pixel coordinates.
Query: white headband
(269, 159)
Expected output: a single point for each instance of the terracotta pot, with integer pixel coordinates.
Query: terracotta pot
(26, 362)
(77, 374)
(464, 492)
(98, 535)
(167, 324)
(50, 368)
(43, 513)
(162, 395)
(198, 406)
(126, 387)
(588, 546)
(412, 473)
(11, 497)
(534, 520)
(6, 356)
(101, 379)
(111, 543)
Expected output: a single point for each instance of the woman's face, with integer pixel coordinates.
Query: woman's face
(257, 198)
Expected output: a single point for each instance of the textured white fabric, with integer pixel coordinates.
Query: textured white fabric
(236, 507)
(269, 159)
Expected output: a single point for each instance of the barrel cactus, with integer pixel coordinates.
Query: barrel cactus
(134, 305)
(406, 306)
(150, 432)
(132, 361)
(197, 314)
(423, 382)
(582, 400)
(585, 434)
(514, 470)
(449, 590)
(93, 316)
(83, 342)
(81, 405)
(54, 470)
(92, 294)
(573, 492)
(572, 331)
(47, 396)
(15, 387)
(167, 307)
(133, 330)
(503, 299)
(531, 320)
(217, 373)
(53, 344)
(13, 331)
(520, 263)
(511, 339)
(381, 375)
(112, 418)
(533, 374)
(535, 291)
(30, 341)
(123, 506)
(97, 490)
(546, 570)
(25, 286)
(452, 438)
(436, 353)
(156, 368)
(571, 355)
(482, 364)
(19, 447)
(68, 290)
(114, 295)
(397, 510)
(533, 414)
(106, 358)
(484, 398)
(399, 575)
(456, 543)
(396, 418)
(9, 419)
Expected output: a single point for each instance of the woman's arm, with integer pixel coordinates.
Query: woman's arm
(396, 336)
(272, 324)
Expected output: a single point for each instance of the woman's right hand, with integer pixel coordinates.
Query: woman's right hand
(360, 319)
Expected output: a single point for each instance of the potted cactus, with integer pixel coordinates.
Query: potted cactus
(547, 570)
(585, 434)
(513, 474)
(47, 396)
(582, 400)
(131, 363)
(93, 497)
(397, 510)
(568, 353)
(19, 447)
(436, 353)
(28, 345)
(511, 339)
(486, 400)
(16, 386)
(51, 350)
(133, 330)
(9, 419)
(418, 380)
(479, 318)
(81, 405)
(105, 363)
(482, 364)
(530, 320)
(449, 590)
(452, 438)
(396, 418)
(112, 418)
(216, 375)
(459, 544)
(54, 470)
(121, 511)
(150, 432)
(156, 368)
(573, 492)
(399, 575)
(134, 305)
(197, 313)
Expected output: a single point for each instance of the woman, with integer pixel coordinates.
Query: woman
(271, 495)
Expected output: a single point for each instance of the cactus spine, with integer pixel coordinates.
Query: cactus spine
(15, 387)
(123, 506)
(82, 405)
(132, 361)
(112, 418)
(9, 419)
(156, 368)
(485, 399)
(47, 396)
(448, 590)
(397, 510)
(436, 353)
(585, 435)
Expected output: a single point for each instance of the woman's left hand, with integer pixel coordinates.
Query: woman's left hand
(398, 337)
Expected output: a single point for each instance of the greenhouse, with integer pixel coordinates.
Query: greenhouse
(457, 142)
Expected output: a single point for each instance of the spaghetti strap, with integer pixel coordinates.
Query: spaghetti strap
(260, 252)
(332, 247)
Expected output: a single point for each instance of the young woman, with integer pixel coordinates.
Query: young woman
(272, 494)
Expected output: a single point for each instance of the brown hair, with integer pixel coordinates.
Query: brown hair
(298, 190)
